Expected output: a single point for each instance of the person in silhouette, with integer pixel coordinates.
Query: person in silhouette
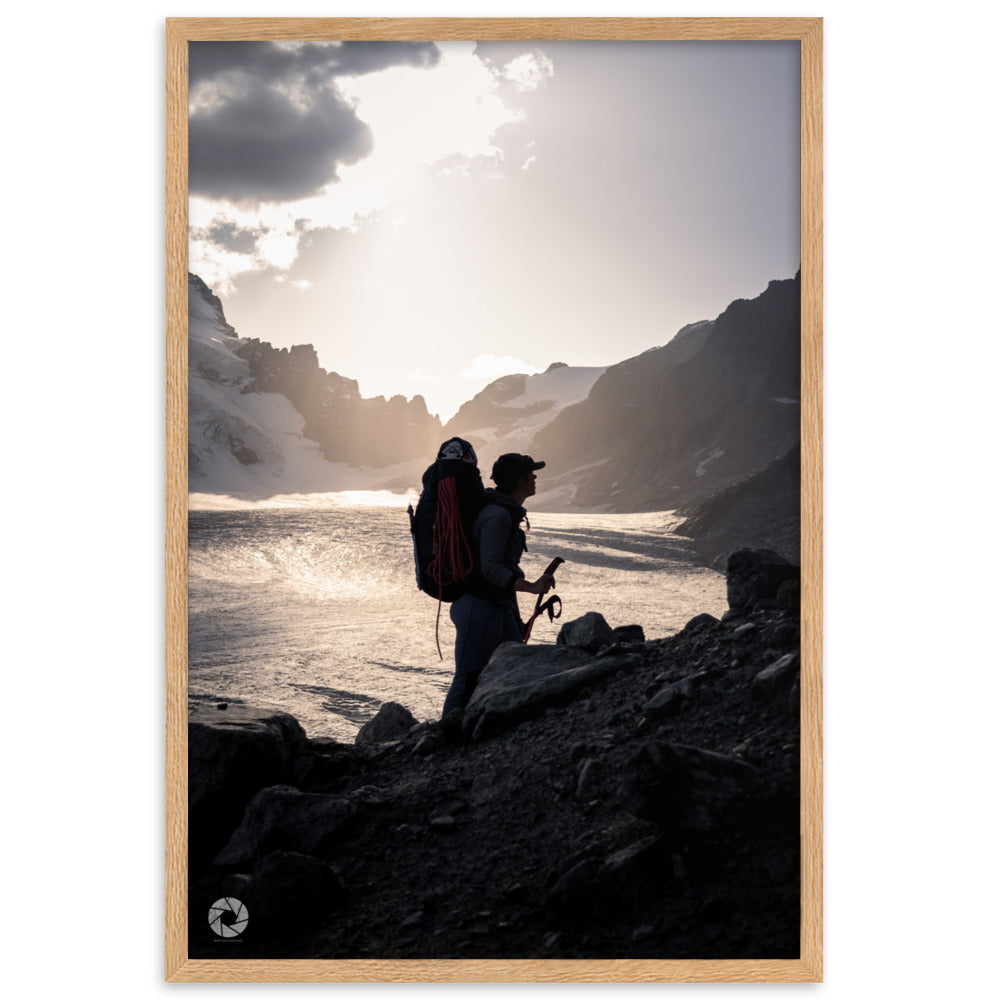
(486, 614)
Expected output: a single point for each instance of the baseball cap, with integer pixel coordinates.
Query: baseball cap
(513, 465)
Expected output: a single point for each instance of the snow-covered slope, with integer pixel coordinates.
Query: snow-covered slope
(251, 443)
(509, 412)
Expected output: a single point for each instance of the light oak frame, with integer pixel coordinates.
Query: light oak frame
(809, 33)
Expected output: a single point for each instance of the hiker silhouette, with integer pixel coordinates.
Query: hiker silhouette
(486, 613)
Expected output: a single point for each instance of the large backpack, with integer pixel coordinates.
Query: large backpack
(441, 526)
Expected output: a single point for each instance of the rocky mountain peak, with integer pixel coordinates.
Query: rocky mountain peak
(213, 302)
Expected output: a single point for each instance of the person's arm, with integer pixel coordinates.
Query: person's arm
(495, 525)
(541, 586)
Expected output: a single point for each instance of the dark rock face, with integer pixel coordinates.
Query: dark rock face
(700, 623)
(232, 754)
(348, 428)
(520, 682)
(629, 633)
(590, 632)
(324, 765)
(279, 878)
(684, 789)
(760, 511)
(616, 883)
(240, 451)
(779, 676)
(668, 700)
(717, 404)
(391, 722)
(755, 575)
(284, 819)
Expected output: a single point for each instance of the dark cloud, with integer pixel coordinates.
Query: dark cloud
(270, 62)
(262, 146)
(357, 58)
(268, 126)
(232, 237)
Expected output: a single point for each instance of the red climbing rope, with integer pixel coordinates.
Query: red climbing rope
(452, 556)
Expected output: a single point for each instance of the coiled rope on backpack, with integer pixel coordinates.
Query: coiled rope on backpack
(452, 560)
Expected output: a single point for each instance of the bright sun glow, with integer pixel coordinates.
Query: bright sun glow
(421, 118)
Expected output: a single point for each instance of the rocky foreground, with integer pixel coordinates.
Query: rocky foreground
(604, 798)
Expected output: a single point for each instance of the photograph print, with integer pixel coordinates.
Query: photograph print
(492, 514)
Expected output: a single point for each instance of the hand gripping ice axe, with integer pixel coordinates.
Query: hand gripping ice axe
(548, 605)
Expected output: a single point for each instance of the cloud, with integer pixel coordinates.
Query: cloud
(491, 366)
(289, 139)
(222, 248)
(302, 286)
(263, 145)
(267, 120)
(449, 116)
(217, 265)
(231, 237)
(529, 71)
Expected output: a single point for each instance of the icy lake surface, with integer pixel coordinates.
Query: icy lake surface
(310, 604)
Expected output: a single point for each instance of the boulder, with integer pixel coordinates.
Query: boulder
(591, 778)
(282, 818)
(776, 678)
(667, 700)
(700, 623)
(594, 887)
(629, 634)
(590, 632)
(231, 755)
(391, 722)
(684, 789)
(754, 575)
(428, 744)
(286, 889)
(325, 765)
(521, 682)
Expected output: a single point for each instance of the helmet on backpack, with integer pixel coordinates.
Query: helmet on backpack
(458, 448)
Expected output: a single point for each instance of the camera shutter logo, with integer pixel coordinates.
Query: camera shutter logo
(228, 917)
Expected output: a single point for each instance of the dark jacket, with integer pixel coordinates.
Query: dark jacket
(498, 543)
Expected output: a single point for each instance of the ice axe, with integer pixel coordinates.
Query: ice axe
(548, 605)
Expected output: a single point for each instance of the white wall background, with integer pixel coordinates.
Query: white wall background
(911, 362)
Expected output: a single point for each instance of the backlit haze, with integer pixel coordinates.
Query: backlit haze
(431, 217)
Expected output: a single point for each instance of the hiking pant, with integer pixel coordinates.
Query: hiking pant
(481, 626)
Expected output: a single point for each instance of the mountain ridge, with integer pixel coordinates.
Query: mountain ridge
(265, 420)
(716, 404)
(690, 425)
(506, 415)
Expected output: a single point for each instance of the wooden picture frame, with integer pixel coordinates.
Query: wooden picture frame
(806, 31)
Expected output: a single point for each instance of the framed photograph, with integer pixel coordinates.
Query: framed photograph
(494, 500)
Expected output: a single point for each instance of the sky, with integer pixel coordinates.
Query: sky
(431, 216)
